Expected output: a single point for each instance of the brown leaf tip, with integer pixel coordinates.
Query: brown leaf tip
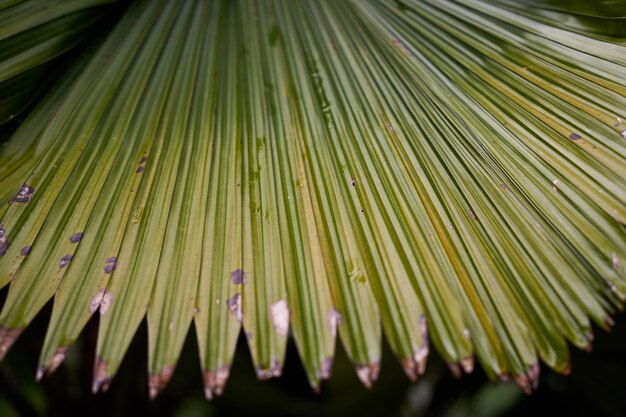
(455, 370)
(264, 373)
(101, 379)
(214, 381)
(239, 277)
(523, 383)
(8, 336)
(157, 382)
(467, 364)
(57, 359)
(25, 194)
(326, 368)
(368, 374)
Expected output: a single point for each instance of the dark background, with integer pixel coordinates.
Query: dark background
(597, 385)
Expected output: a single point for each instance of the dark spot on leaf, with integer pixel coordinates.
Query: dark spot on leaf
(4, 241)
(574, 136)
(140, 169)
(110, 265)
(239, 277)
(353, 181)
(25, 250)
(143, 159)
(76, 237)
(25, 194)
(65, 261)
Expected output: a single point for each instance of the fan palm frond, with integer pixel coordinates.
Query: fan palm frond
(446, 172)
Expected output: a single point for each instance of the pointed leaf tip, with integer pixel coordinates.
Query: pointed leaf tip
(214, 381)
(368, 374)
(8, 336)
(157, 382)
(101, 379)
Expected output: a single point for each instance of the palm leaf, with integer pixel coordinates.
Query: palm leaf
(448, 172)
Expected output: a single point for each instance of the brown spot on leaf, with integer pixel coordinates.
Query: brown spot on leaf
(235, 307)
(574, 136)
(25, 250)
(76, 237)
(139, 170)
(239, 277)
(110, 264)
(25, 194)
(65, 260)
(143, 159)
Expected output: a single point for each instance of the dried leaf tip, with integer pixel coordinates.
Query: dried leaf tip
(57, 359)
(368, 374)
(214, 381)
(157, 382)
(416, 365)
(8, 336)
(273, 371)
(467, 364)
(326, 368)
(101, 379)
